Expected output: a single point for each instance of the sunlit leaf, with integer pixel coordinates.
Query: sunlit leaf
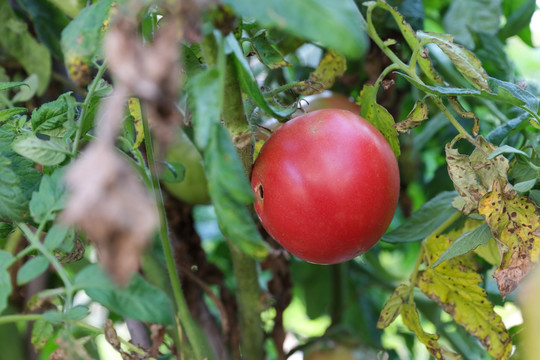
(45, 150)
(454, 285)
(378, 116)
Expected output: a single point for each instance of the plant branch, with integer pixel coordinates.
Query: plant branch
(198, 342)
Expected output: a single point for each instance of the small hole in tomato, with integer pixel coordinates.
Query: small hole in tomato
(260, 191)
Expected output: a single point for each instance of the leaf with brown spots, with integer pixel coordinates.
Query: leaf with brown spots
(515, 222)
(474, 175)
(393, 306)
(454, 285)
(332, 66)
(418, 114)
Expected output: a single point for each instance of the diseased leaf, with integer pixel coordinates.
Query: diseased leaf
(454, 285)
(411, 320)
(337, 24)
(44, 150)
(466, 242)
(332, 66)
(474, 175)
(378, 116)
(135, 110)
(425, 220)
(418, 114)
(409, 34)
(456, 105)
(82, 40)
(515, 222)
(42, 331)
(465, 61)
(32, 269)
(393, 306)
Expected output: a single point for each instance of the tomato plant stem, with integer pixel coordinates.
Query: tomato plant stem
(35, 243)
(245, 268)
(83, 118)
(195, 337)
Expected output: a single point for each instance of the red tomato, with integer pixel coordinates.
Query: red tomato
(326, 186)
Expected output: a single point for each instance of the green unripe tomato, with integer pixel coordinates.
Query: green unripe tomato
(194, 188)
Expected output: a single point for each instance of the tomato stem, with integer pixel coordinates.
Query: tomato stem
(194, 334)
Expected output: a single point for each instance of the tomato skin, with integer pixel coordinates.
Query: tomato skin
(326, 186)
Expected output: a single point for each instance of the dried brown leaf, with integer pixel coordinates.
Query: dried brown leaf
(109, 203)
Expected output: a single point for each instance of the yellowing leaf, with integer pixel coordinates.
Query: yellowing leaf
(411, 320)
(515, 222)
(135, 111)
(393, 306)
(331, 66)
(454, 285)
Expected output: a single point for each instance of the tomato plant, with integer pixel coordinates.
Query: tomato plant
(327, 185)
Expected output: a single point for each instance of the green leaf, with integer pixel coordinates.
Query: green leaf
(82, 40)
(230, 192)
(18, 179)
(465, 17)
(425, 220)
(249, 84)
(77, 313)
(20, 44)
(466, 242)
(506, 149)
(48, 22)
(5, 230)
(9, 113)
(518, 19)
(5, 279)
(56, 236)
(525, 186)
(205, 91)
(11, 85)
(42, 331)
(378, 116)
(337, 24)
(44, 150)
(138, 300)
(50, 198)
(266, 52)
(32, 269)
(53, 114)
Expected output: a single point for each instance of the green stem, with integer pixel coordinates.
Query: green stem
(197, 341)
(35, 243)
(248, 291)
(83, 118)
